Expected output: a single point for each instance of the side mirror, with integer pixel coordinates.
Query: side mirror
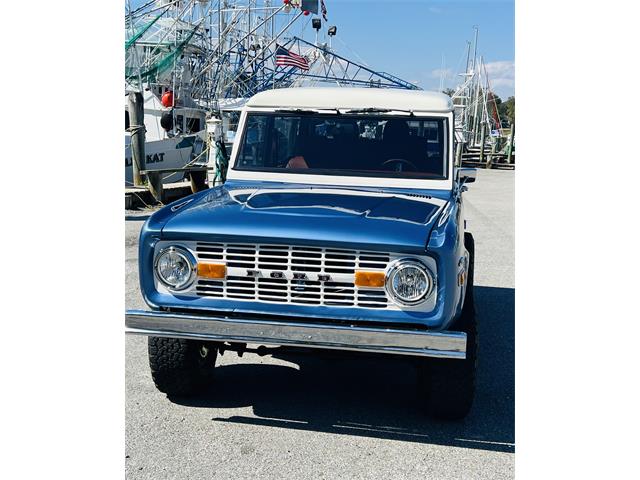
(467, 175)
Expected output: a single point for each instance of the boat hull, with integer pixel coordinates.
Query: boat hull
(167, 153)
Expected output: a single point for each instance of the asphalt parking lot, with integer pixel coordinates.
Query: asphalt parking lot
(336, 417)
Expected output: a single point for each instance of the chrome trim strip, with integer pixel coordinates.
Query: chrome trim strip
(314, 335)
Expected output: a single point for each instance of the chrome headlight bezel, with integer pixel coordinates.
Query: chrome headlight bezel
(190, 260)
(396, 267)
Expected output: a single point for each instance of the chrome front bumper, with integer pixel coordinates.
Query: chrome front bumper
(285, 332)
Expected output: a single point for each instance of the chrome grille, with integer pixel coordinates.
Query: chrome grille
(276, 267)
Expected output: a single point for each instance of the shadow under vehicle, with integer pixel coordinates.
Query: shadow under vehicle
(340, 227)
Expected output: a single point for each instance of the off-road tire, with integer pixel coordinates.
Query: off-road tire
(181, 367)
(448, 386)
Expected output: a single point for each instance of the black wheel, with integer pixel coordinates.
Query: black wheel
(448, 386)
(470, 245)
(181, 367)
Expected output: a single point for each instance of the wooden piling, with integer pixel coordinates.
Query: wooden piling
(482, 140)
(155, 185)
(198, 179)
(491, 156)
(136, 127)
(459, 147)
(510, 148)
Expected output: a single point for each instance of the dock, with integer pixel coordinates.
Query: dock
(140, 197)
(475, 157)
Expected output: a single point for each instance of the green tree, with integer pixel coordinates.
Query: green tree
(510, 109)
(506, 109)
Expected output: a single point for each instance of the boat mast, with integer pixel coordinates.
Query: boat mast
(476, 98)
(136, 60)
(466, 101)
(441, 73)
(475, 46)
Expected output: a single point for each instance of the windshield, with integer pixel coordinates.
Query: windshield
(353, 145)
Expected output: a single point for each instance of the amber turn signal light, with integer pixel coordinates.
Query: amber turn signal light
(370, 279)
(212, 270)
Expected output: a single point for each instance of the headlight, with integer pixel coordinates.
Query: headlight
(409, 282)
(175, 267)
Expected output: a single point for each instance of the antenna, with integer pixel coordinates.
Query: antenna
(475, 46)
(442, 74)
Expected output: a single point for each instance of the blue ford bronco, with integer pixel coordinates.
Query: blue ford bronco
(340, 226)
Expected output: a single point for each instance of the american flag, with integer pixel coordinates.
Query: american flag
(286, 58)
(324, 10)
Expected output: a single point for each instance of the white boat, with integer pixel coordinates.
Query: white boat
(213, 56)
(176, 147)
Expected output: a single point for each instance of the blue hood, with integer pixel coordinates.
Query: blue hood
(390, 220)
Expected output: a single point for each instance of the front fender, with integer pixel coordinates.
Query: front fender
(446, 245)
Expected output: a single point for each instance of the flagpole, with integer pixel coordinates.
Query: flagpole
(268, 45)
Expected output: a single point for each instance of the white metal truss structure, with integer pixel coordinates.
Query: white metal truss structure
(207, 51)
(474, 102)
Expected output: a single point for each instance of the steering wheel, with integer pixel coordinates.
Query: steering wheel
(400, 164)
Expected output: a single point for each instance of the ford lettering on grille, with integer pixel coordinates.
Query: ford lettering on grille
(291, 274)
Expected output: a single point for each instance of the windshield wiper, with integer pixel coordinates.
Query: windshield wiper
(378, 110)
(306, 111)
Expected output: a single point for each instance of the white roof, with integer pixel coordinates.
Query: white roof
(353, 98)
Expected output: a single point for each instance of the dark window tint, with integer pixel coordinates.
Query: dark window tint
(193, 125)
(345, 145)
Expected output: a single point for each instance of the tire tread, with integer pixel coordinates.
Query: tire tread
(177, 368)
(448, 386)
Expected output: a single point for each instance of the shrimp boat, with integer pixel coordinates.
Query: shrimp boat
(175, 147)
(195, 61)
(475, 105)
(162, 50)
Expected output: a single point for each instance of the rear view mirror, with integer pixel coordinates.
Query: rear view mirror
(467, 175)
